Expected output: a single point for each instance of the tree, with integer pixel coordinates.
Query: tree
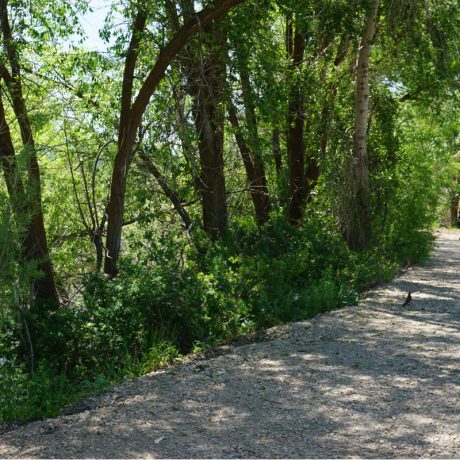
(206, 82)
(25, 200)
(250, 148)
(359, 228)
(295, 44)
(131, 113)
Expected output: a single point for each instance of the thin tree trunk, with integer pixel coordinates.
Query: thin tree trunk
(359, 228)
(98, 244)
(167, 190)
(295, 138)
(256, 179)
(259, 167)
(126, 139)
(250, 147)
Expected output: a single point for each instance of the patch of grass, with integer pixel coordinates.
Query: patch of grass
(25, 397)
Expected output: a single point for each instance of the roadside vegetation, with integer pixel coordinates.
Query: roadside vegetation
(210, 174)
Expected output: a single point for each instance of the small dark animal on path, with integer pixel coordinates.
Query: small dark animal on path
(407, 301)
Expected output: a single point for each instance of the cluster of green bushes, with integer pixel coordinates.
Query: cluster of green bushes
(168, 301)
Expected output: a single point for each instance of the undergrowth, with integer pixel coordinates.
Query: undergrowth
(170, 299)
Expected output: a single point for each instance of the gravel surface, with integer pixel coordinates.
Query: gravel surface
(375, 380)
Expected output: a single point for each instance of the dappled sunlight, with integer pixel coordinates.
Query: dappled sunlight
(373, 380)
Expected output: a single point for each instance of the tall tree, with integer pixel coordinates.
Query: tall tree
(207, 88)
(35, 245)
(203, 63)
(131, 113)
(295, 43)
(359, 225)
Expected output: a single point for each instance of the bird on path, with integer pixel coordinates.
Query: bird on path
(407, 301)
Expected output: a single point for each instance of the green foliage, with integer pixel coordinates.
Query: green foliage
(28, 396)
(8, 250)
(288, 273)
(179, 291)
(24, 397)
(252, 278)
(163, 303)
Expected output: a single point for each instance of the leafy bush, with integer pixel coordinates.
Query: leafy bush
(166, 301)
(251, 278)
(24, 397)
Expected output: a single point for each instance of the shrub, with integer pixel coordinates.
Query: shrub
(165, 302)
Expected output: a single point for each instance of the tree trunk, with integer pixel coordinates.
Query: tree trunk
(115, 209)
(250, 146)
(260, 183)
(454, 211)
(209, 123)
(204, 66)
(35, 246)
(295, 137)
(256, 178)
(359, 228)
(131, 115)
(454, 203)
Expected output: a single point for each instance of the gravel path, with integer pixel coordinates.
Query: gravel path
(374, 380)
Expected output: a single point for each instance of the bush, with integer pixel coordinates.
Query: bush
(24, 397)
(165, 302)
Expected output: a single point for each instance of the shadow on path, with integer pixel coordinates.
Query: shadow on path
(370, 381)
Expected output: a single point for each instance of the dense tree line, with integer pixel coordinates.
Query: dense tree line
(223, 166)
